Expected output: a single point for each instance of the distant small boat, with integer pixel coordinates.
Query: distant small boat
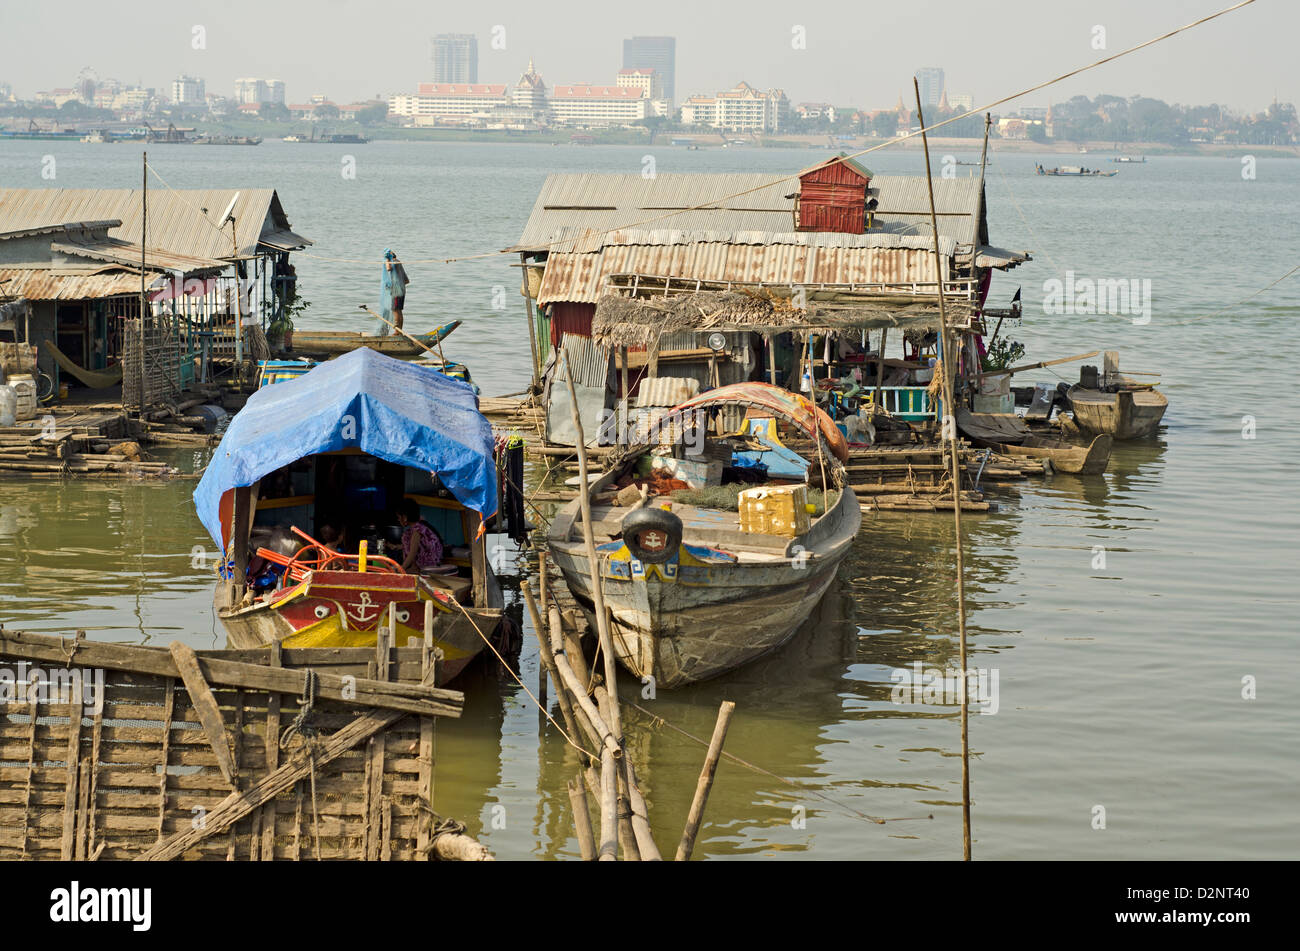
(1008, 434)
(1128, 159)
(1074, 171)
(334, 342)
(99, 136)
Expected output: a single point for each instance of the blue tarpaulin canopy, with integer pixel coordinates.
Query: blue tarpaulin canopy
(400, 412)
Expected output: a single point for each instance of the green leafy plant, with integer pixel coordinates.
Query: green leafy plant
(1003, 354)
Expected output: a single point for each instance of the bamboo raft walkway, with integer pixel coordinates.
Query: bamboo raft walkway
(900, 476)
(304, 754)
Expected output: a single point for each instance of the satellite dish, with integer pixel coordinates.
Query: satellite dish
(717, 342)
(226, 215)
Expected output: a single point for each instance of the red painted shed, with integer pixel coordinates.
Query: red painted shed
(832, 196)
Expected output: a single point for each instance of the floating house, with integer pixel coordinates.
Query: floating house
(74, 257)
(721, 278)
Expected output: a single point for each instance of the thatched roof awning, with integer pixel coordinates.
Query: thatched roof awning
(641, 321)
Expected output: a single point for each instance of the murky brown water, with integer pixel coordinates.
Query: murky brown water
(1119, 686)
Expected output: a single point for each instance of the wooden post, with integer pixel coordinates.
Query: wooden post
(880, 365)
(949, 364)
(622, 359)
(693, 819)
(532, 321)
(205, 705)
(582, 821)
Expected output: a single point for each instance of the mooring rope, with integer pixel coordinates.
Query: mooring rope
(492, 647)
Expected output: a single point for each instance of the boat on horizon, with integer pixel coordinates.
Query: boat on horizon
(1075, 171)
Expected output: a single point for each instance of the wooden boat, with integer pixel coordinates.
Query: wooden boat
(334, 342)
(1130, 411)
(1074, 171)
(343, 445)
(1008, 434)
(1113, 404)
(691, 592)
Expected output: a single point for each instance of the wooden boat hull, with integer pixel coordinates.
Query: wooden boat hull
(698, 617)
(340, 609)
(1128, 414)
(1091, 459)
(334, 342)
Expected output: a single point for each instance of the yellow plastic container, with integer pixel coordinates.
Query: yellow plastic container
(775, 510)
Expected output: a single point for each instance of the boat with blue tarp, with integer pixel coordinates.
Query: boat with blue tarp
(305, 497)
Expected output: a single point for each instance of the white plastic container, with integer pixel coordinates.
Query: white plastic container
(8, 405)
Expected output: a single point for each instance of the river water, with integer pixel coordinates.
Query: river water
(1141, 625)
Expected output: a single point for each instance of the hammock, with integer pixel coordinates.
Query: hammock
(95, 379)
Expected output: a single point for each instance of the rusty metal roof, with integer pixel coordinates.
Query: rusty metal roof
(599, 203)
(47, 284)
(182, 223)
(782, 259)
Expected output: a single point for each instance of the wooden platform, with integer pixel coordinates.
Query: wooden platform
(164, 753)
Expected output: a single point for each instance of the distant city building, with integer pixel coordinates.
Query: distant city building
(249, 91)
(6, 92)
(459, 101)
(455, 58)
(658, 53)
(931, 80)
(1033, 112)
(815, 110)
(739, 109)
(530, 92)
(961, 103)
(188, 91)
(585, 104)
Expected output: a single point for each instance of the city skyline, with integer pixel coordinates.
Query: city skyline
(815, 59)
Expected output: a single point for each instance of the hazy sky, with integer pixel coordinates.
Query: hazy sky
(859, 53)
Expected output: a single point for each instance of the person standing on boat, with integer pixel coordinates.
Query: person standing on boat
(393, 299)
(421, 546)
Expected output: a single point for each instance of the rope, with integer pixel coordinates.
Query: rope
(311, 740)
(492, 647)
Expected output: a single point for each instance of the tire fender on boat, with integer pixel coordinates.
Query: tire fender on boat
(652, 535)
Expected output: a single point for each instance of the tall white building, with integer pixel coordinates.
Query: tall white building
(930, 79)
(187, 91)
(249, 90)
(739, 109)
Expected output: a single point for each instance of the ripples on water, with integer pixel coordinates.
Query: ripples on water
(1119, 686)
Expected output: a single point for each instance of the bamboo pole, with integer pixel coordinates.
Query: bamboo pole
(949, 368)
(548, 663)
(582, 821)
(694, 817)
(597, 591)
(608, 807)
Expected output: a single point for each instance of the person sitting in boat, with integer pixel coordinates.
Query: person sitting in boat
(421, 544)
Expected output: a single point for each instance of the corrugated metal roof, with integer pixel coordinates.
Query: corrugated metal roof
(582, 277)
(43, 284)
(596, 203)
(69, 226)
(114, 251)
(177, 222)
